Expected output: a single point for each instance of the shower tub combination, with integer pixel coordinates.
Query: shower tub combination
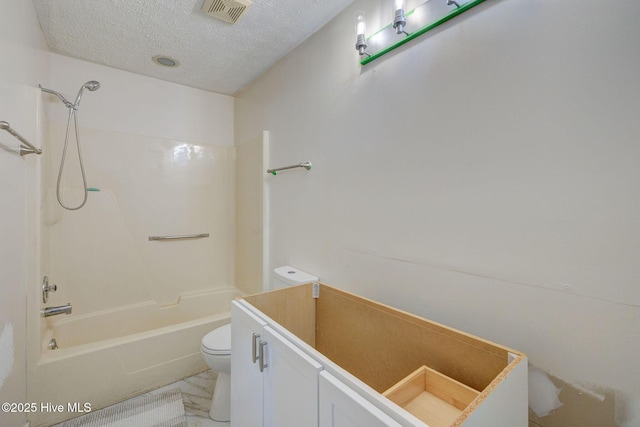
(109, 356)
(102, 257)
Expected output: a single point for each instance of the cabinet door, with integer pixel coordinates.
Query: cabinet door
(246, 378)
(290, 384)
(340, 406)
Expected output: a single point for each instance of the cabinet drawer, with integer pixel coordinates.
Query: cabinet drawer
(432, 397)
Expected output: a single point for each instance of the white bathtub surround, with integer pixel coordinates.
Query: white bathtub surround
(101, 256)
(161, 158)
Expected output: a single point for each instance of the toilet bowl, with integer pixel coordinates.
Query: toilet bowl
(216, 352)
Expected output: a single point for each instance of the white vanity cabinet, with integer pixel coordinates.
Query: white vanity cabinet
(341, 406)
(290, 384)
(276, 383)
(247, 405)
(333, 359)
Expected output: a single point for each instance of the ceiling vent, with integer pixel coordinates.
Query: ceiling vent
(227, 10)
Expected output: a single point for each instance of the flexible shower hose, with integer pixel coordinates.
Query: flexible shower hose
(72, 113)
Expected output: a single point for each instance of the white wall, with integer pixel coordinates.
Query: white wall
(484, 175)
(249, 215)
(24, 64)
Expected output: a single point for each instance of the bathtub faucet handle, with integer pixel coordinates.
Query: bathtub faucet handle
(46, 289)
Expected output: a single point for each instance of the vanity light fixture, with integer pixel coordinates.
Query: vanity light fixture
(399, 19)
(361, 38)
(413, 23)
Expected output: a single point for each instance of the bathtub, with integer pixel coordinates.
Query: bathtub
(109, 356)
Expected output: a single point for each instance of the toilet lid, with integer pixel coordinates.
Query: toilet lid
(218, 341)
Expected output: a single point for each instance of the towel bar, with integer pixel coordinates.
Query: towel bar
(179, 237)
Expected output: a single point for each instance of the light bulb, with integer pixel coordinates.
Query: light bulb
(399, 20)
(361, 26)
(361, 40)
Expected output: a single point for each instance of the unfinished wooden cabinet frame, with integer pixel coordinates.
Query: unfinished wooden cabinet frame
(438, 374)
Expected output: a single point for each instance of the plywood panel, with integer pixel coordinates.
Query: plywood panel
(294, 308)
(381, 345)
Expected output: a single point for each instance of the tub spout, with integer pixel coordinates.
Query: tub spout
(52, 311)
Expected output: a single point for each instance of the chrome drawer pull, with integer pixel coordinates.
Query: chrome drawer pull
(254, 355)
(261, 356)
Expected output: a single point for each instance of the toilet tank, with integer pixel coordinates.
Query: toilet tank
(289, 276)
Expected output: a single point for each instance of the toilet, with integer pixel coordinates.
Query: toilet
(216, 346)
(286, 276)
(216, 352)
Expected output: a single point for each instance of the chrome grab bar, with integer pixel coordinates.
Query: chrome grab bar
(179, 237)
(29, 149)
(306, 165)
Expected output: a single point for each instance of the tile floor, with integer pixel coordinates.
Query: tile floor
(197, 392)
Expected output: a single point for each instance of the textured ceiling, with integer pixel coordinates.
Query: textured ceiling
(213, 55)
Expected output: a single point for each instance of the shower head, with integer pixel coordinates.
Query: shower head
(91, 85)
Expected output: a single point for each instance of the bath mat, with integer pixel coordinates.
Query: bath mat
(149, 410)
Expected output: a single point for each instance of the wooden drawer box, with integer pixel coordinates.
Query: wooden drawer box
(432, 397)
